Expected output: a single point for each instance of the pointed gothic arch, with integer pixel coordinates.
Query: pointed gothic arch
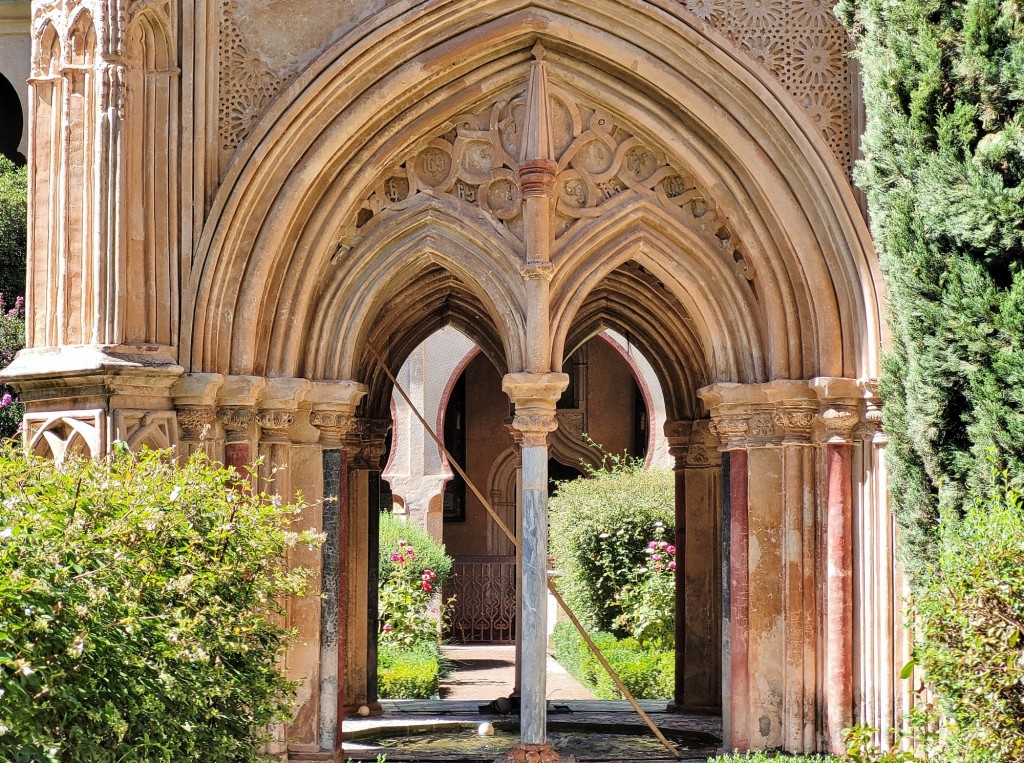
(744, 139)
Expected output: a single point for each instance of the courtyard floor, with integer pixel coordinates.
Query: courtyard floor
(594, 731)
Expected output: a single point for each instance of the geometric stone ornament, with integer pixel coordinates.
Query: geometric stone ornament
(60, 434)
(800, 42)
(246, 84)
(475, 162)
(156, 430)
(803, 44)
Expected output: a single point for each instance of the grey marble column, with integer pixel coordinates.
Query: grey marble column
(534, 396)
(534, 613)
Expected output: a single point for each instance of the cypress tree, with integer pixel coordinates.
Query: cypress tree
(943, 170)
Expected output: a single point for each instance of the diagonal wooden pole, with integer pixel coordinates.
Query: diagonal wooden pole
(515, 542)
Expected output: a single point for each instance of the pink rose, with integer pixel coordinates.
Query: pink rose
(657, 568)
(652, 544)
(427, 586)
(409, 552)
(402, 543)
(656, 558)
(671, 565)
(662, 544)
(671, 549)
(395, 557)
(387, 627)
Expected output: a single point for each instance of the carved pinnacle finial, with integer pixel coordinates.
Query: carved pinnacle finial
(538, 145)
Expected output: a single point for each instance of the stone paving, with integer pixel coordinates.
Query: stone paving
(484, 673)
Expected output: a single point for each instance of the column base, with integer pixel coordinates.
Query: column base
(533, 753)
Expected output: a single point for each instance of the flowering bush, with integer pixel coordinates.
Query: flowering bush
(140, 615)
(648, 602)
(12, 339)
(600, 527)
(405, 599)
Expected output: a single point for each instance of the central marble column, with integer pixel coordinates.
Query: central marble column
(534, 397)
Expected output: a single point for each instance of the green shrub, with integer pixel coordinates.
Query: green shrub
(429, 553)
(771, 757)
(409, 673)
(140, 615)
(968, 614)
(13, 228)
(600, 527)
(12, 339)
(647, 673)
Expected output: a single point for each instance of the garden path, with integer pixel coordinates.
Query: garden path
(487, 672)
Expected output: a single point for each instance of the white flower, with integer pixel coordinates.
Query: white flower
(174, 494)
(6, 533)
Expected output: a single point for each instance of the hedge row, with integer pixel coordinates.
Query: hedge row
(409, 673)
(648, 674)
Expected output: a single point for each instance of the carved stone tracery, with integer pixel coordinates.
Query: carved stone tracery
(599, 161)
(803, 44)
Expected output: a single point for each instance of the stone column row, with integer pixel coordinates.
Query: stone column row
(309, 441)
(789, 595)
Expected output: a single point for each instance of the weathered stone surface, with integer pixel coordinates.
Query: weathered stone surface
(234, 214)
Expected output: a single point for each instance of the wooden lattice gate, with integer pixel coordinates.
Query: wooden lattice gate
(484, 611)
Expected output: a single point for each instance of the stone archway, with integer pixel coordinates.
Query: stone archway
(527, 197)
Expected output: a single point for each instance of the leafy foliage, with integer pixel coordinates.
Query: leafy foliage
(768, 757)
(13, 228)
(404, 599)
(140, 607)
(648, 602)
(12, 339)
(969, 618)
(943, 171)
(647, 673)
(429, 553)
(409, 673)
(600, 527)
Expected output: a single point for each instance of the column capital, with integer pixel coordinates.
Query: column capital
(840, 407)
(366, 443)
(278, 406)
(535, 397)
(195, 397)
(839, 420)
(692, 443)
(781, 412)
(334, 410)
(237, 420)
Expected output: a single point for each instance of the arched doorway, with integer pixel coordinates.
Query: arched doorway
(685, 178)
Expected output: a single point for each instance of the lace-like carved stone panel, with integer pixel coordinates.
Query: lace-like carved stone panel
(805, 46)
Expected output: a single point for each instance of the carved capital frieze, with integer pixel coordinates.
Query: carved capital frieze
(237, 420)
(195, 421)
(334, 425)
(839, 421)
(275, 423)
(731, 429)
(794, 422)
